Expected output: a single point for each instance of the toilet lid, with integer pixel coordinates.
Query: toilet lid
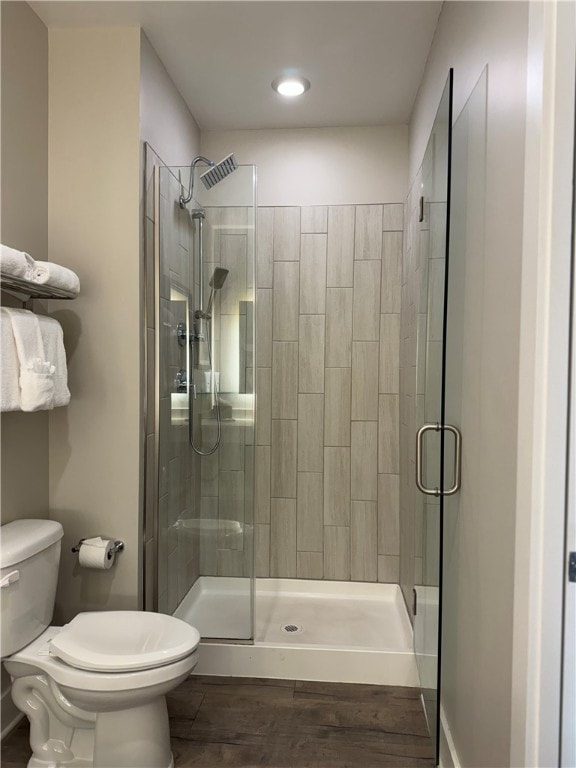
(123, 641)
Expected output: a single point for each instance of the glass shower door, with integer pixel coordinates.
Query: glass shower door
(205, 350)
(432, 433)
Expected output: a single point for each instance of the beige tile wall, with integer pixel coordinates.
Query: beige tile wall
(327, 434)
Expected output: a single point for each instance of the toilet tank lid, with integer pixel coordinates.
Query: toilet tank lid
(21, 539)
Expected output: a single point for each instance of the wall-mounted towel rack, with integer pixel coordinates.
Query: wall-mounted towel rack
(32, 290)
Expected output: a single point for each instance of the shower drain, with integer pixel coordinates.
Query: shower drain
(291, 628)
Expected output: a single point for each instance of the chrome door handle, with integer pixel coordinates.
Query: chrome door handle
(419, 481)
(457, 459)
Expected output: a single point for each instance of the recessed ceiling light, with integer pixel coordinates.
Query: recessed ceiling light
(290, 86)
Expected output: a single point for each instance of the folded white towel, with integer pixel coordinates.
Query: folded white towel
(56, 276)
(53, 340)
(10, 368)
(36, 372)
(16, 263)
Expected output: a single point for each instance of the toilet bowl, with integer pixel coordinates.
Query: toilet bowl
(93, 690)
(110, 693)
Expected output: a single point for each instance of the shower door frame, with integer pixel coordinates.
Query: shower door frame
(150, 450)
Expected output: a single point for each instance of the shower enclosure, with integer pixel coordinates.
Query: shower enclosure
(203, 461)
(313, 552)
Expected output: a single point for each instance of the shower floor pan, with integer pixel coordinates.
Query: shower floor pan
(306, 630)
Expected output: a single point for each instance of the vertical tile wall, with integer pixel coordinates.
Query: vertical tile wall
(327, 435)
(227, 476)
(411, 407)
(421, 328)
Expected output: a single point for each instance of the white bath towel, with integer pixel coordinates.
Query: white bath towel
(9, 366)
(53, 340)
(16, 263)
(48, 273)
(36, 372)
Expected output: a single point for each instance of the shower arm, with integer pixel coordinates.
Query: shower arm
(184, 200)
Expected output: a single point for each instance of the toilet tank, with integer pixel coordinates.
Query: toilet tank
(29, 559)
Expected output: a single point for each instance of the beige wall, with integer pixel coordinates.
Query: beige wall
(320, 166)
(108, 93)
(24, 225)
(479, 554)
(94, 227)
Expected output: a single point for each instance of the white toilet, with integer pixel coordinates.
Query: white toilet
(93, 690)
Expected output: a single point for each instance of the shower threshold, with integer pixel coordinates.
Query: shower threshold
(328, 631)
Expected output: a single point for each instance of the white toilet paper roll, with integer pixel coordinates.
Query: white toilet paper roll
(97, 553)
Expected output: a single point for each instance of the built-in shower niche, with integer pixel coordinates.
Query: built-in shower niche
(246, 348)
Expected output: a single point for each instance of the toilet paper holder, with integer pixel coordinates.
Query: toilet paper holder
(118, 547)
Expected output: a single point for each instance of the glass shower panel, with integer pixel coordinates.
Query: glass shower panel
(207, 358)
(465, 368)
(178, 554)
(434, 218)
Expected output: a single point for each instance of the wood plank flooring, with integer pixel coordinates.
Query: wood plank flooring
(247, 722)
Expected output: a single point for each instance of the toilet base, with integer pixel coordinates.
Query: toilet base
(78, 763)
(64, 736)
(36, 763)
(85, 719)
(145, 741)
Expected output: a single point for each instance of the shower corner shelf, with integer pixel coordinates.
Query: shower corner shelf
(32, 290)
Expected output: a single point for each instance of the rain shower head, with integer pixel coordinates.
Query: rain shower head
(219, 171)
(212, 176)
(218, 278)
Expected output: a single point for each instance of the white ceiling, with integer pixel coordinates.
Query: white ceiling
(364, 59)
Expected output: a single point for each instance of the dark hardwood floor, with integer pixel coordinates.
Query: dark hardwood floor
(246, 722)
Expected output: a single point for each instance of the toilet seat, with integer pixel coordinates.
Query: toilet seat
(37, 655)
(123, 641)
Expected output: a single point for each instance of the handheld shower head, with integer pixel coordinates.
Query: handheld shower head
(216, 282)
(218, 278)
